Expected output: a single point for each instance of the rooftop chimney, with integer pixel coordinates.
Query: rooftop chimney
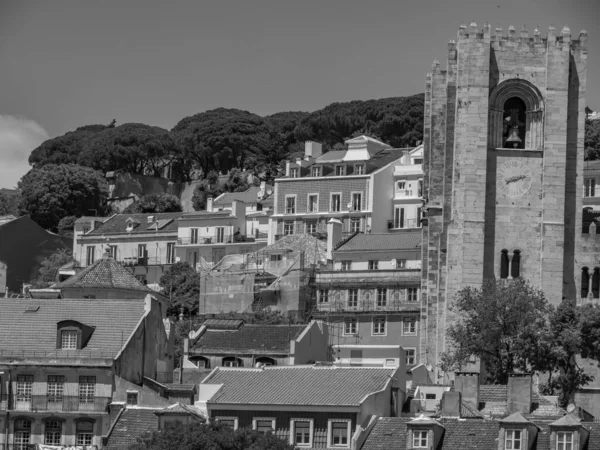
(312, 150)
(519, 393)
(451, 402)
(334, 236)
(467, 383)
(209, 204)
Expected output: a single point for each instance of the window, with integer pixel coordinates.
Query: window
(356, 201)
(400, 264)
(220, 234)
(232, 361)
(401, 185)
(418, 219)
(142, 251)
(513, 135)
(585, 282)
(313, 203)
(263, 425)
(378, 325)
(85, 432)
(381, 297)
(399, 218)
(24, 387)
(564, 440)
(90, 255)
(53, 432)
(112, 251)
(340, 171)
(323, 296)
(22, 434)
(228, 422)
(55, 388)
(504, 264)
(373, 264)
(430, 396)
(412, 294)
(346, 265)
(142, 278)
(290, 204)
(515, 266)
(590, 187)
(315, 171)
(170, 252)
(409, 327)
(85, 229)
(132, 397)
(87, 389)
(266, 361)
(410, 356)
(336, 202)
(420, 187)
(339, 433)
(68, 339)
(512, 440)
(294, 171)
(301, 432)
(420, 439)
(193, 235)
(311, 226)
(352, 298)
(288, 227)
(418, 161)
(350, 325)
(355, 224)
(359, 169)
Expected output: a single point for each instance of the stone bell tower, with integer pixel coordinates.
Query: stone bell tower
(503, 143)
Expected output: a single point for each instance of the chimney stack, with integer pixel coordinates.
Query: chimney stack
(334, 236)
(518, 395)
(209, 204)
(312, 150)
(451, 403)
(467, 383)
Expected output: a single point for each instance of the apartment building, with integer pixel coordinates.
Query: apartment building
(63, 362)
(408, 191)
(144, 243)
(212, 234)
(370, 296)
(591, 185)
(355, 186)
(308, 406)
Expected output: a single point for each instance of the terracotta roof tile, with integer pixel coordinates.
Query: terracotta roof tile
(105, 273)
(113, 320)
(298, 385)
(248, 196)
(389, 433)
(271, 339)
(362, 242)
(131, 424)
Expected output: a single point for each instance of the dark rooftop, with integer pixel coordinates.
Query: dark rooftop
(404, 240)
(117, 224)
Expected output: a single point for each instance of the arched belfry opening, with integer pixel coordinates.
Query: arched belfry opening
(516, 116)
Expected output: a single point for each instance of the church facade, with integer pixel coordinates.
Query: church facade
(503, 162)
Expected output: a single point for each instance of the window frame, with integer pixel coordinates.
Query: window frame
(417, 440)
(142, 251)
(255, 421)
(311, 428)
(113, 251)
(55, 389)
(352, 297)
(360, 201)
(133, 394)
(561, 441)
(353, 222)
(323, 296)
(294, 208)
(331, 204)
(330, 443)
(512, 439)
(353, 322)
(359, 169)
(400, 218)
(53, 432)
(379, 319)
(171, 252)
(295, 172)
(81, 435)
(235, 419)
(288, 223)
(346, 265)
(24, 388)
(409, 292)
(90, 254)
(308, 225)
(373, 264)
(409, 320)
(342, 170)
(69, 331)
(381, 297)
(86, 389)
(308, 204)
(413, 351)
(315, 171)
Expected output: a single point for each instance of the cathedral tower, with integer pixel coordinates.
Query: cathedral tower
(503, 158)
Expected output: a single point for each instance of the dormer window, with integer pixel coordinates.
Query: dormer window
(359, 169)
(68, 340)
(513, 439)
(420, 439)
(315, 171)
(294, 171)
(564, 440)
(131, 224)
(340, 170)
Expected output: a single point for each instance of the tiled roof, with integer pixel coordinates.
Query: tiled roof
(332, 156)
(315, 250)
(272, 339)
(179, 408)
(223, 324)
(298, 385)
(405, 240)
(470, 435)
(179, 387)
(495, 398)
(389, 433)
(35, 330)
(248, 196)
(105, 273)
(117, 224)
(131, 424)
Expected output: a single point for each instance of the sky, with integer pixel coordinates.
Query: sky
(69, 63)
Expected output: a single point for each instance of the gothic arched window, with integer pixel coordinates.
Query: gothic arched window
(596, 283)
(585, 282)
(504, 264)
(515, 265)
(513, 124)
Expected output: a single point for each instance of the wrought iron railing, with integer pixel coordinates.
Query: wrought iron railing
(59, 354)
(215, 239)
(368, 306)
(65, 403)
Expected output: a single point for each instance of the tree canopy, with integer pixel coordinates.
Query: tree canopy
(212, 435)
(49, 268)
(155, 203)
(9, 202)
(511, 327)
(54, 191)
(182, 286)
(213, 186)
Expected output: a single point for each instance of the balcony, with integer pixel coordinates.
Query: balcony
(64, 403)
(218, 239)
(406, 223)
(368, 306)
(369, 278)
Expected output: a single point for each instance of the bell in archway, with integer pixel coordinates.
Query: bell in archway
(514, 138)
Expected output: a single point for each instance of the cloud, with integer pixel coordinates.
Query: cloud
(18, 137)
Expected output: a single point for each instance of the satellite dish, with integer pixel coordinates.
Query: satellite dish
(260, 194)
(269, 191)
(571, 407)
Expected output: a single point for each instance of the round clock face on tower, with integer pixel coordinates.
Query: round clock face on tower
(514, 178)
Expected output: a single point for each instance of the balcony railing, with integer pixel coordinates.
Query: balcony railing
(57, 354)
(368, 306)
(65, 403)
(407, 223)
(216, 239)
(373, 278)
(319, 234)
